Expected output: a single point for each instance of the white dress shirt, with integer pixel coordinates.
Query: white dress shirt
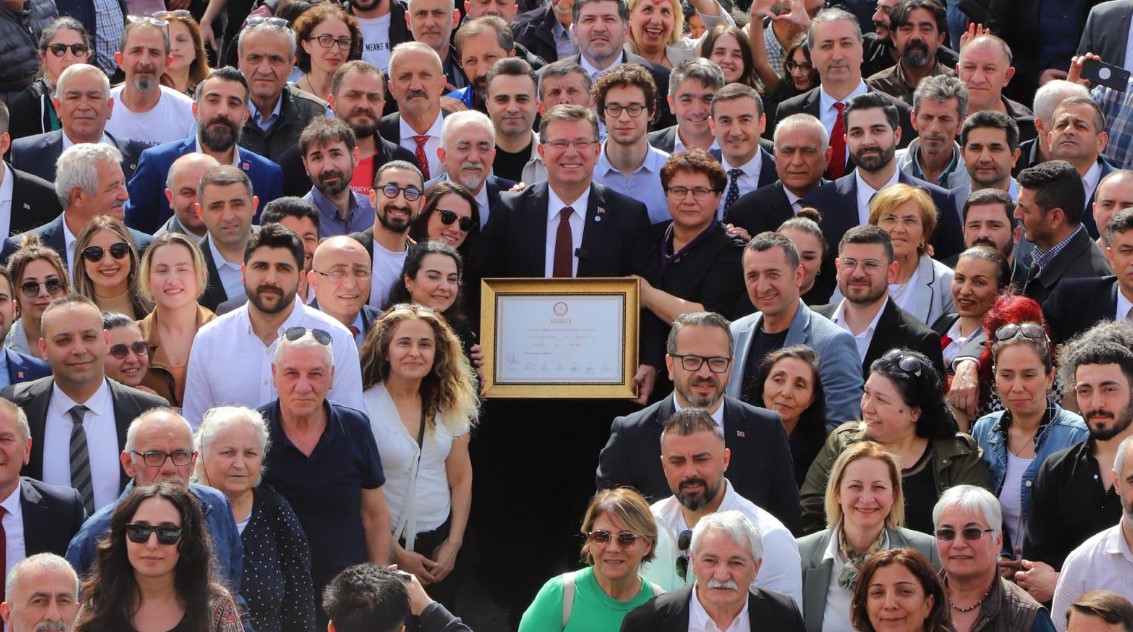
(69, 240)
(105, 140)
(1103, 561)
(1124, 305)
(436, 167)
(577, 224)
(14, 548)
(7, 191)
(1091, 179)
(699, 621)
(717, 416)
(863, 339)
(828, 114)
(748, 182)
(231, 276)
(866, 193)
(102, 443)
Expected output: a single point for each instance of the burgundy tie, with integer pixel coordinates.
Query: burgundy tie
(422, 159)
(564, 245)
(837, 167)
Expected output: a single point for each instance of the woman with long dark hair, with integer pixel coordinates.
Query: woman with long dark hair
(451, 215)
(788, 382)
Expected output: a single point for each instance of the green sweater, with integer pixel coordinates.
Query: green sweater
(593, 610)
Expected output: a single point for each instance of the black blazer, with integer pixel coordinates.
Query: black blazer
(1080, 258)
(1088, 214)
(35, 396)
(1075, 305)
(214, 292)
(761, 469)
(809, 102)
(34, 202)
(296, 182)
(534, 30)
(766, 610)
(52, 235)
(763, 209)
(1107, 31)
(37, 154)
(52, 516)
(896, 329)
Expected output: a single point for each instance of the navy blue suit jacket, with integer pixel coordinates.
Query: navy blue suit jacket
(53, 514)
(24, 368)
(148, 209)
(52, 236)
(37, 154)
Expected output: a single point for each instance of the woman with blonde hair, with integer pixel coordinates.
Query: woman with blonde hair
(420, 393)
(656, 28)
(106, 267)
(39, 276)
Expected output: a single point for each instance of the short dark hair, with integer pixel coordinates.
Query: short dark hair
(1105, 343)
(868, 234)
(734, 91)
(899, 14)
(691, 421)
(355, 65)
(483, 24)
(767, 240)
(993, 119)
(367, 598)
(324, 130)
(623, 9)
(1099, 116)
(560, 68)
(697, 319)
(224, 73)
(515, 67)
(874, 101)
(289, 206)
(1106, 605)
(222, 176)
(922, 389)
(276, 236)
(567, 112)
(991, 196)
(1056, 184)
(398, 164)
(1120, 223)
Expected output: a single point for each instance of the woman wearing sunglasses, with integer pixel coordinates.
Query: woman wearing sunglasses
(172, 277)
(189, 65)
(106, 267)
(451, 215)
(420, 393)
(153, 572)
(128, 358)
(903, 409)
(865, 509)
(328, 37)
(62, 43)
(39, 276)
(1017, 440)
(620, 535)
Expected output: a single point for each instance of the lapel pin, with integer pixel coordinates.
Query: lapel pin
(598, 216)
(740, 434)
(20, 374)
(27, 207)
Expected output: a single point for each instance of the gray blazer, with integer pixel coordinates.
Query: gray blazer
(816, 571)
(839, 365)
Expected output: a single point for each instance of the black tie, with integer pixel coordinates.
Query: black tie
(80, 458)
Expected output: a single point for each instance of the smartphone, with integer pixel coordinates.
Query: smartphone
(1108, 75)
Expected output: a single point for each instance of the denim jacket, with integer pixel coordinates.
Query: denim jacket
(1059, 429)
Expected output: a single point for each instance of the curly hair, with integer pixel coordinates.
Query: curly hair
(939, 618)
(310, 19)
(923, 390)
(82, 281)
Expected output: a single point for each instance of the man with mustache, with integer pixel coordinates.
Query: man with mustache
(989, 220)
(397, 199)
(43, 597)
(1079, 138)
(148, 112)
(329, 155)
(480, 43)
(940, 104)
(416, 81)
(881, 52)
(273, 261)
(468, 148)
(220, 111)
(919, 28)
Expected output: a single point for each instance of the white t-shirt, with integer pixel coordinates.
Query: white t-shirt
(386, 272)
(171, 119)
(375, 41)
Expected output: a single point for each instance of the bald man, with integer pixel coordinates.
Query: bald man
(181, 193)
(340, 277)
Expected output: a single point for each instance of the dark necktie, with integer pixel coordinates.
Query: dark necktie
(422, 159)
(80, 458)
(564, 246)
(733, 188)
(837, 167)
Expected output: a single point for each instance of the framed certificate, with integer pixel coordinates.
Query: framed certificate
(559, 338)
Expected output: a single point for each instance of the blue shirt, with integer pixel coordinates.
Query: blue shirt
(643, 184)
(359, 218)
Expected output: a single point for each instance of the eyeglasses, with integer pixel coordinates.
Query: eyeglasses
(139, 533)
(625, 539)
(156, 458)
(563, 145)
(700, 194)
(146, 19)
(868, 265)
(793, 65)
(412, 193)
(121, 350)
(94, 254)
(615, 110)
(78, 50)
(326, 41)
(684, 540)
(258, 20)
(971, 534)
(691, 362)
(340, 274)
(295, 333)
(448, 217)
(1027, 330)
(908, 363)
(179, 13)
(31, 288)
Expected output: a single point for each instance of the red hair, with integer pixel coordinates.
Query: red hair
(1009, 308)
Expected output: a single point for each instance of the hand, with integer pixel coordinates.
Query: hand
(1038, 579)
(643, 382)
(965, 392)
(1076, 64)
(421, 566)
(517, 187)
(974, 31)
(738, 231)
(795, 14)
(1050, 74)
(418, 598)
(477, 353)
(206, 29)
(1008, 566)
(450, 105)
(762, 8)
(445, 557)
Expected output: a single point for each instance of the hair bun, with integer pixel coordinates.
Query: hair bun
(811, 213)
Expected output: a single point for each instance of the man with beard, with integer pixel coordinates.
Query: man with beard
(43, 595)
(989, 220)
(1071, 498)
(148, 112)
(273, 261)
(694, 458)
(881, 52)
(225, 205)
(397, 199)
(221, 110)
(468, 147)
(329, 155)
(181, 193)
(1079, 138)
(480, 43)
(940, 104)
(383, 24)
(919, 28)
(699, 360)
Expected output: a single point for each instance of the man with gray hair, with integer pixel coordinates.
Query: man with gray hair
(147, 111)
(41, 592)
(726, 553)
(563, 83)
(1048, 97)
(468, 150)
(416, 82)
(432, 23)
(692, 84)
(940, 105)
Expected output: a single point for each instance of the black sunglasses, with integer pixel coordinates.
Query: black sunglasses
(78, 50)
(295, 333)
(94, 254)
(625, 539)
(139, 533)
(1027, 330)
(971, 534)
(448, 217)
(31, 288)
(908, 363)
(121, 350)
(684, 541)
(179, 13)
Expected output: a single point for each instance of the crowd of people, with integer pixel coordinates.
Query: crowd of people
(884, 353)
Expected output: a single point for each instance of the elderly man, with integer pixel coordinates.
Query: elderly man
(468, 150)
(692, 84)
(985, 68)
(1047, 98)
(330, 153)
(373, 598)
(340, 277)
(726, 553)
(512, 104)
(969, 537)
(1079, 138)
(416, 82)
(147, 111)
(181, 185)
(324, 459)
(940, 104)
(41, 592)
(432, 22)
(397, 199)
(564, 83)
(919, 29)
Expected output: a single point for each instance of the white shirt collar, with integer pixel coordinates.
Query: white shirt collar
(11, 504)
(678, 144)
(866, 193)
(717, 416)
(235, 154)
(839, 316)
(699, 621)
(219, 259)
(592, 70)
(7, 185)
(434, 131)
(68, 243)
(1091, 179)
(96, 403)
(105, 140)
(826, 102)
(554, 204)
(751, 169)
(1123, 306)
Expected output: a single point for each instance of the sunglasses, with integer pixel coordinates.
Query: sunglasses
(139, 533)
(121, 350)
(448, 217)
(908, 363)
(165, 15)
(158, 22)
(94, 254)
(971, 534)
(684, 540)
(78, 50)
(625, 539)
(295, 333)
(1027, 330)
(258, 20)
(31, 288)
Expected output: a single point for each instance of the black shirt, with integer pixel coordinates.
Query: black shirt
(510, 166)
(919, 486)
(762, 343)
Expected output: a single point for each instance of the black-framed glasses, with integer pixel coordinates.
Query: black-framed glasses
(700, 194)
(54, 287)
(148, 19)
(157, 458)
(412, 193)
(448, 217)
(259, 19)
(320, 335)
(615, 110)
(121, 350)
(139, 533)
(78, 50)
(179, 13)
(684, 541)
(626, 540)
(1031, 331)
(971, 534)
(326, 41)
(910, 364)
(716, 364)
(94, 254)
(793, 65)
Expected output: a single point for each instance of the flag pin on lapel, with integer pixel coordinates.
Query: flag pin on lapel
(245, 166)
(740, 434)
(20, 374)
(598, 216)
(27, 207)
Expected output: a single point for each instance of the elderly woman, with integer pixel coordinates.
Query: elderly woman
(864, 512)
(969, 538)
(128, 357)
(897, 591)
(189, 65)
(789, 384)
(620, 535)
(1016, 441)
(231, 444)
(656, 27)
(328, 37)
(106, 267)
(65, 42)
(804, 232)
(903, 409)
(39, 276)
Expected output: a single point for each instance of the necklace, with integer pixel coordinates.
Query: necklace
(973, 606)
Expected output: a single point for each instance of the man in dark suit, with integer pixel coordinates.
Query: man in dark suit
(33, 201)
(1050, 206)
(632, 456)
(738, 121)
(1079, 138)
(712, 543)
(416, 83)
(340, 278)
(545, 31)
(1047, 98)
(78, 409)
(1107, 32)
(221, 112)
(181, 192)
(692, 84)
(226, 204)
(865, 269)
(467, 153)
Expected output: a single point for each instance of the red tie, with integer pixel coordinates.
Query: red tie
(837, 167)
(564, 245)
(423, 160)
